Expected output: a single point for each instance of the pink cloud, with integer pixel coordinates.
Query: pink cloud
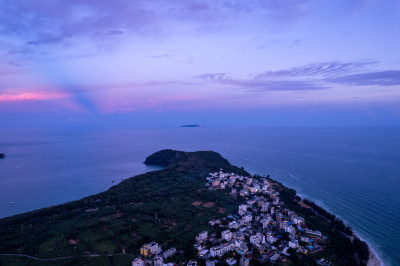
(30, 96)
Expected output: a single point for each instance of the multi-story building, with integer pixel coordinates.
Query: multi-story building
(227, 235)
(314, 233)
(242, 209)
(169, 253)
(257, 239)
(202, 237)
(247, 218)
(233, 224)
(138, 262)
(219, 251)
(158, 260)
(264, 207)
(230, 261)
(150, 249)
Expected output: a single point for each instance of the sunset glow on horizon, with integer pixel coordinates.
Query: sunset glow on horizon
(124, 57)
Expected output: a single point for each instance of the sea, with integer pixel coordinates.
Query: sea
(353, 172)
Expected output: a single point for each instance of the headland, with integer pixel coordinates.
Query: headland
(199, 209)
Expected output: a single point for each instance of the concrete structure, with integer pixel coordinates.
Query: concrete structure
(314, 233)
(169, 253)
(242, 209)
(158, 261)
(202, 237)
(138, 262)
(227, 235)
(230, 261)
(247, 218)
(150, 249)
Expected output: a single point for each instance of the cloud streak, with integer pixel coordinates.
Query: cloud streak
(30, 96)
(319, 76)
(324, 69)
(57, 22)
(153, 54)
(380, 78)
(259, 85)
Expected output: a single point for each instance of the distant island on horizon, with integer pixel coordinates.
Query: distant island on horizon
(192, 125)
(198, 210)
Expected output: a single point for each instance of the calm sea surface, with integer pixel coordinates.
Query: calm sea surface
(352, 172)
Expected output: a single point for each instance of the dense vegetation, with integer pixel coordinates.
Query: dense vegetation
(342, 246)
(156, 206)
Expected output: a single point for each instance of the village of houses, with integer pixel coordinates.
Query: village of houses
(260, 225)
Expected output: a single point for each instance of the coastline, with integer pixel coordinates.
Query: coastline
(373, 259)
(206, 159)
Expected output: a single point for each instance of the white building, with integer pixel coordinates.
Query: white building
(298, 220)
(233, 224)
(169, 253)
(290, 229)
(265, 222)
(275, 257)
(257, 239)
(218, 251)
(138, 262)
(230, 261)
(293, 244)
(150, 249)
(304, 239)
(242, 209)
(271, 239)
(227, 235)
(158, 261)
(314, 233)
(247, 218)
(202, 237)
(203, 253)
(264, 207)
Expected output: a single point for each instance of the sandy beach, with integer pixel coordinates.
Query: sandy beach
(373, 259)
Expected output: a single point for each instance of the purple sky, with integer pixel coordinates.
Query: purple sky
(303, 62)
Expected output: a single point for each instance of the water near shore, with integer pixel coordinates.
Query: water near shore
(352, 172)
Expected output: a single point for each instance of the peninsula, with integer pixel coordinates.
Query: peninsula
(198, 210)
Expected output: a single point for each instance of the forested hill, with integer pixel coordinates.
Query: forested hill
(193, 161)
(170, 206)
(153, 206)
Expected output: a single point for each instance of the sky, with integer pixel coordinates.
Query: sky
(269, 62)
